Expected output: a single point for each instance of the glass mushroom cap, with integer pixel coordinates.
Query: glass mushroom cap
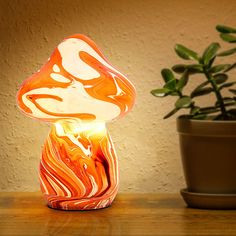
(76, 82)
(77, 90)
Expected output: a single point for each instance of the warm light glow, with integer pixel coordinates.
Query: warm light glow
(74, 127)
(77, 90)
(79, 168)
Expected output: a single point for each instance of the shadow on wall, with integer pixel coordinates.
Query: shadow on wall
(137, 36)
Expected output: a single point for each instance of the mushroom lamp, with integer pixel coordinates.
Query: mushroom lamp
(77, 91)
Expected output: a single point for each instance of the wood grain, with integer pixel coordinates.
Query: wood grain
(25, 214)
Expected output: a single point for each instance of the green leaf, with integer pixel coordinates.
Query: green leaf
(160, 92)
(226, 85)
(210, 52)
(232, 111)
(194, 110)
(185, 53)
(208, 110)
(171, 113)
(218, 68)
(225, 29)
(195, 68)
(200, 86)
(179, 68)
(183, 102)
(211, 62)
(201, 91)
(220, 78)
(182, 81)
(228, 38)
(227, 102)
(233, 91)
(174, 93)
(192, 69)
(230, 67)
(167, 75)
(227, 52)
(199, 117)
(170, 84)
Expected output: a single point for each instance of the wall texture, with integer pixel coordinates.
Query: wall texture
(138, 37)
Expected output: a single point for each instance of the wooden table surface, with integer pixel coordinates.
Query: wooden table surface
(131, 214)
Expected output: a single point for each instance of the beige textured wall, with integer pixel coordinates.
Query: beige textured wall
(138, 37)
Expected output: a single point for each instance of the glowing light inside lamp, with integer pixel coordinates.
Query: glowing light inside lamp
(77, 90)
(72, 127)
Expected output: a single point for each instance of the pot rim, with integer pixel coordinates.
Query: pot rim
(217, 128)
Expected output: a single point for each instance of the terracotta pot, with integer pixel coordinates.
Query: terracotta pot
(208, 150)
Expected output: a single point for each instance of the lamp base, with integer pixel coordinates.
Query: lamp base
(79, 168)
(80, 204)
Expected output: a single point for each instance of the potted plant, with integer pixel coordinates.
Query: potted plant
(207, 134)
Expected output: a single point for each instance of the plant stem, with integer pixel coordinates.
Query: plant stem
(180, 94)
(217, 93)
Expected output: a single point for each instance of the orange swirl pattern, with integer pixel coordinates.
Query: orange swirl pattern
(76, 82)
(79, 171)
(77, 90)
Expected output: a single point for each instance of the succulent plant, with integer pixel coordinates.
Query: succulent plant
(216, 82)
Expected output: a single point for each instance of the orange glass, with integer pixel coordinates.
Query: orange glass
(78, 91)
